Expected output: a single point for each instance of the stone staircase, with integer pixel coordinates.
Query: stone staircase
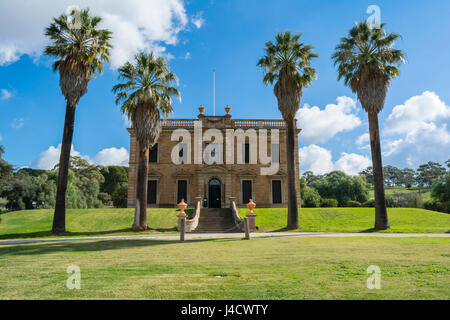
(216, 221)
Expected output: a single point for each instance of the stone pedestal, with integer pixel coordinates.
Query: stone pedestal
(251, 217)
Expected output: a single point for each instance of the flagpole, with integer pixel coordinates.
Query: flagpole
(214, 92)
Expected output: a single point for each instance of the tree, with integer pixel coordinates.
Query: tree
(448, 163)
(310, 178)
(428, 172)
(367, 63)
(145, 91)
(288, 63)
(81, 51)
(337, 185)
(310, 196)
(392, 175)
(114, 175)
(368, 175)
(407, 177)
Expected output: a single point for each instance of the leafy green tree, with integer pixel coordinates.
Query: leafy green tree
(368, 175)
(113, 175)
(426, 173)
(407, 177)
(6, 170)
(287, 63)
(20, 192)
(367, 62)
(448, 163)
(337, 185)
(392, 175)
(81, 51)
(310, 177)
(145, 90)
(310, 196)
(120, 195)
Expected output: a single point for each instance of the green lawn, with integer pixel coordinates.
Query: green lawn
(276, 268)
(107, 221)
(353, 220)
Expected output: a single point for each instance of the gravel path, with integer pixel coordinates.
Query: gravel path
(191, 236)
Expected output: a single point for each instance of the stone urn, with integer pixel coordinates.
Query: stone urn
(228, 109)
(201, 109)
(182, 205)
(251, 205)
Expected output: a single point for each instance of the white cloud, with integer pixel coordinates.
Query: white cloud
(106, 157)
(50, 157)
(418, 130)
(316, 159)
(416, 113)
(318, 126)
(146, 25)
(362, 139)
(5, 94)
(1, 138)
(17, 123)
(319, 161)
(187, 56)
(112, 157)
(352, 164)
(198, 20)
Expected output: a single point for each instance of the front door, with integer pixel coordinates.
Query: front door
(152, 191)
(214, 192)
(246, 191)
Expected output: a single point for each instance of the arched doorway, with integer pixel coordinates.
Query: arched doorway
(214, 193)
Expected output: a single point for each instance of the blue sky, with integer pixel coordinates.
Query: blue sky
(229, 36)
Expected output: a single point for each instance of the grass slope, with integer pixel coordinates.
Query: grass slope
(353, 220)
(102, 222)
(281, 268)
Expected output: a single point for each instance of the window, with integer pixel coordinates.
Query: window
(275, 152)
(213, 153)
(276, 192)
(153, 154)
(182, 191)
(247, 153)
(183, 153)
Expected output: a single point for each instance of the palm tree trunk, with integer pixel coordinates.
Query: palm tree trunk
(59, 219)
(292, 222)
(381, 218)
(140, 217)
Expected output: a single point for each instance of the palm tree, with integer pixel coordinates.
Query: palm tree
(80, 53)
(288, 63)
(367, 62)
(145, 91)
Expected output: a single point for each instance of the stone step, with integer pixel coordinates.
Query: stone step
(216, 220)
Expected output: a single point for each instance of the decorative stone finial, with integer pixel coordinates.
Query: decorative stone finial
(201, 109)
(182, 205)
(228, 109)
(251, 205)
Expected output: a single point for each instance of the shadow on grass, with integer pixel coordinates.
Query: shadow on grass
(46, 234)
(91, 246)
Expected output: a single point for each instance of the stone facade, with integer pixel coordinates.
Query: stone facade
(227, 181)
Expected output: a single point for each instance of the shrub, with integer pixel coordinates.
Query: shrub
(353, 204)
(310, 196)
(329, 203)
(404, 200)
(369, 204)
(434, 205)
